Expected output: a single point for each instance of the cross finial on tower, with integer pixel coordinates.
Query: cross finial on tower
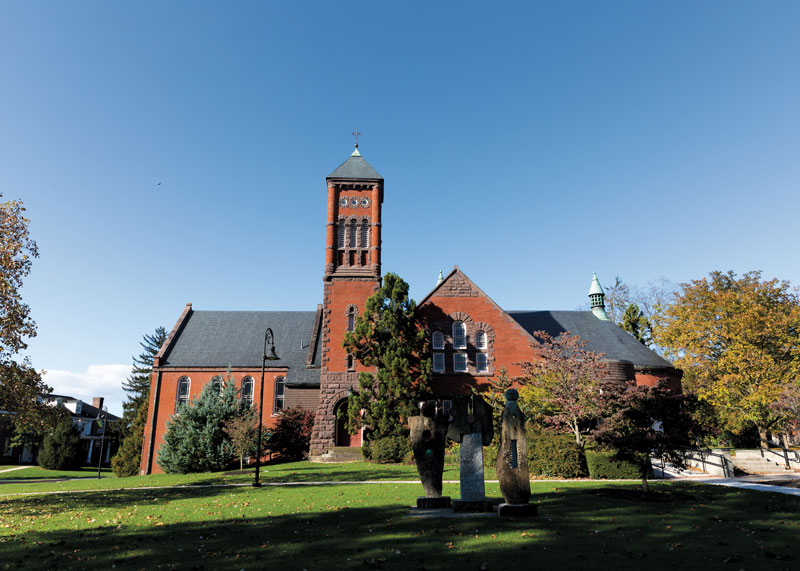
(356, 133)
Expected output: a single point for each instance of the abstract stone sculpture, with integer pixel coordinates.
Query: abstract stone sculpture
(512, 461)
(428, 437)
(471, 425)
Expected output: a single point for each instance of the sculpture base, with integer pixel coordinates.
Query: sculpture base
(439, 503)
(517, 510)
(473, 506)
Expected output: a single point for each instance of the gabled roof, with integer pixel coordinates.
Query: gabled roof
(236, 338)
(600, 336)
(355, 168)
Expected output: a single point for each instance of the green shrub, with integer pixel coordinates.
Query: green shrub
(61, 449)
(389, 449)
(601, 466)
(452, 456)
(490, 453)
(555, 455)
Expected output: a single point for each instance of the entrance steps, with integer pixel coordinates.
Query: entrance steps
(758, 462)
(340, 454)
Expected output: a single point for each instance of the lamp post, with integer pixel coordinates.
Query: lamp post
(102, 414)
(271, 356)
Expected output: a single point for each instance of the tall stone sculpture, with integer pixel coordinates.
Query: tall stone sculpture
(471, 426)
(428, 437)
(512, 461)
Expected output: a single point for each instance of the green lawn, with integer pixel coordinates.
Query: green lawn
(38, 473)
(582, 525)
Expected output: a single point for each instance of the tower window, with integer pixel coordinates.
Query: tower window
(438, 340)
(364, 234)
(340, 234)
(351, 318)
(280, 386)
(182, 396)
(247, 392)
(351, 363)
(459, 335)
(353, 230)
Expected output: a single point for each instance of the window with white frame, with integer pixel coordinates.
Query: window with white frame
(459, 335)
(247, 392)
(481, 363)
(280, 386)
(182, 396)
(480, 340)
(438, 340)
(460, 362)
(216, 384)
(438, 362)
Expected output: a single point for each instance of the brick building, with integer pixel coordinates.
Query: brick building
(471, 336)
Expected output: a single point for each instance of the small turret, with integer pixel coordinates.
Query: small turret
(597, 299)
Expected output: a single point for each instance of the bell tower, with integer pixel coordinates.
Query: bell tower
(352, 274)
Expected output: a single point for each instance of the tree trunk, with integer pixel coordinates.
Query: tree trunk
(645, 487)
(241, 463)
(762, 436)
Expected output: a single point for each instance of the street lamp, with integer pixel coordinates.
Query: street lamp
(271, 356)
(102, 414)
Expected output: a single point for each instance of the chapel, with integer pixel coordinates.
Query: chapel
(471, 336)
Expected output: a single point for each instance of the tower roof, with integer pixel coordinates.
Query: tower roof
(595, 287)
(355, 168)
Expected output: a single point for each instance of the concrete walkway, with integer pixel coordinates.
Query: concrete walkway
(757, 483)
(15, 468)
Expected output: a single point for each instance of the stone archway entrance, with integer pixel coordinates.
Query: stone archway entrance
(343, 438)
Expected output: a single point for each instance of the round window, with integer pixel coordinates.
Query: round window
(343, 202)
(365, 202)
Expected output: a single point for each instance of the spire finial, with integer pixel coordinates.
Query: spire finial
(596, 299)
(441, 278)
(356, 133)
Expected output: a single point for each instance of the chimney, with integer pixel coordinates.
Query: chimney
(97, 402)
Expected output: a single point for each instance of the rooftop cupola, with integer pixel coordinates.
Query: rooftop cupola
(597, 299)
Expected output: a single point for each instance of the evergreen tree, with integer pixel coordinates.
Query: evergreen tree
(635, 322)
(388, 337)
(61, 449)
(134, 416)
(195, 440)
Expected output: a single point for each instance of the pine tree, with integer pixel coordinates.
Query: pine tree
(61, 449)
(195, 440)
(635, 322)
(134, 417)
(388, 337)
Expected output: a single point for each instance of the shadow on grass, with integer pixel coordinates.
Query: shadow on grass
(578, 528)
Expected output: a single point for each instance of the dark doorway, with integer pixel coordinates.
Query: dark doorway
(342, 437)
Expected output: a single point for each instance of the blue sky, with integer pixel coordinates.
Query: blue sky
(529, 143)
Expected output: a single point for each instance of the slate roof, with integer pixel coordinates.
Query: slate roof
(355, 167)
(236, 338)
(600, 336)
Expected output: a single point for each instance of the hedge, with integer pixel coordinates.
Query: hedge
(601, 466)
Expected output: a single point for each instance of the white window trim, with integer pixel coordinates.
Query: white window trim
(456, 368)
(485, 358)
(481, 335)
(440, 369)
(440, 345)
(463, 328)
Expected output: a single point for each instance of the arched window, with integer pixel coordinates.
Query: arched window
(280, 386)
(480, 340)
(247, 392)
(182, 396)
(340, 234)
(459, 335)
(351, 318)
(217, 385)
(438, 340)
(364, 234)
(353, 230)
(351, 363)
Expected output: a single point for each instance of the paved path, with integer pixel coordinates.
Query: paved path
(757, 483)
(16, 468)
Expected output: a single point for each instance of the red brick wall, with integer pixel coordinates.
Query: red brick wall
(199, 378)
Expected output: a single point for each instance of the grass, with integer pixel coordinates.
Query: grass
(581, 525)
(38, 473)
